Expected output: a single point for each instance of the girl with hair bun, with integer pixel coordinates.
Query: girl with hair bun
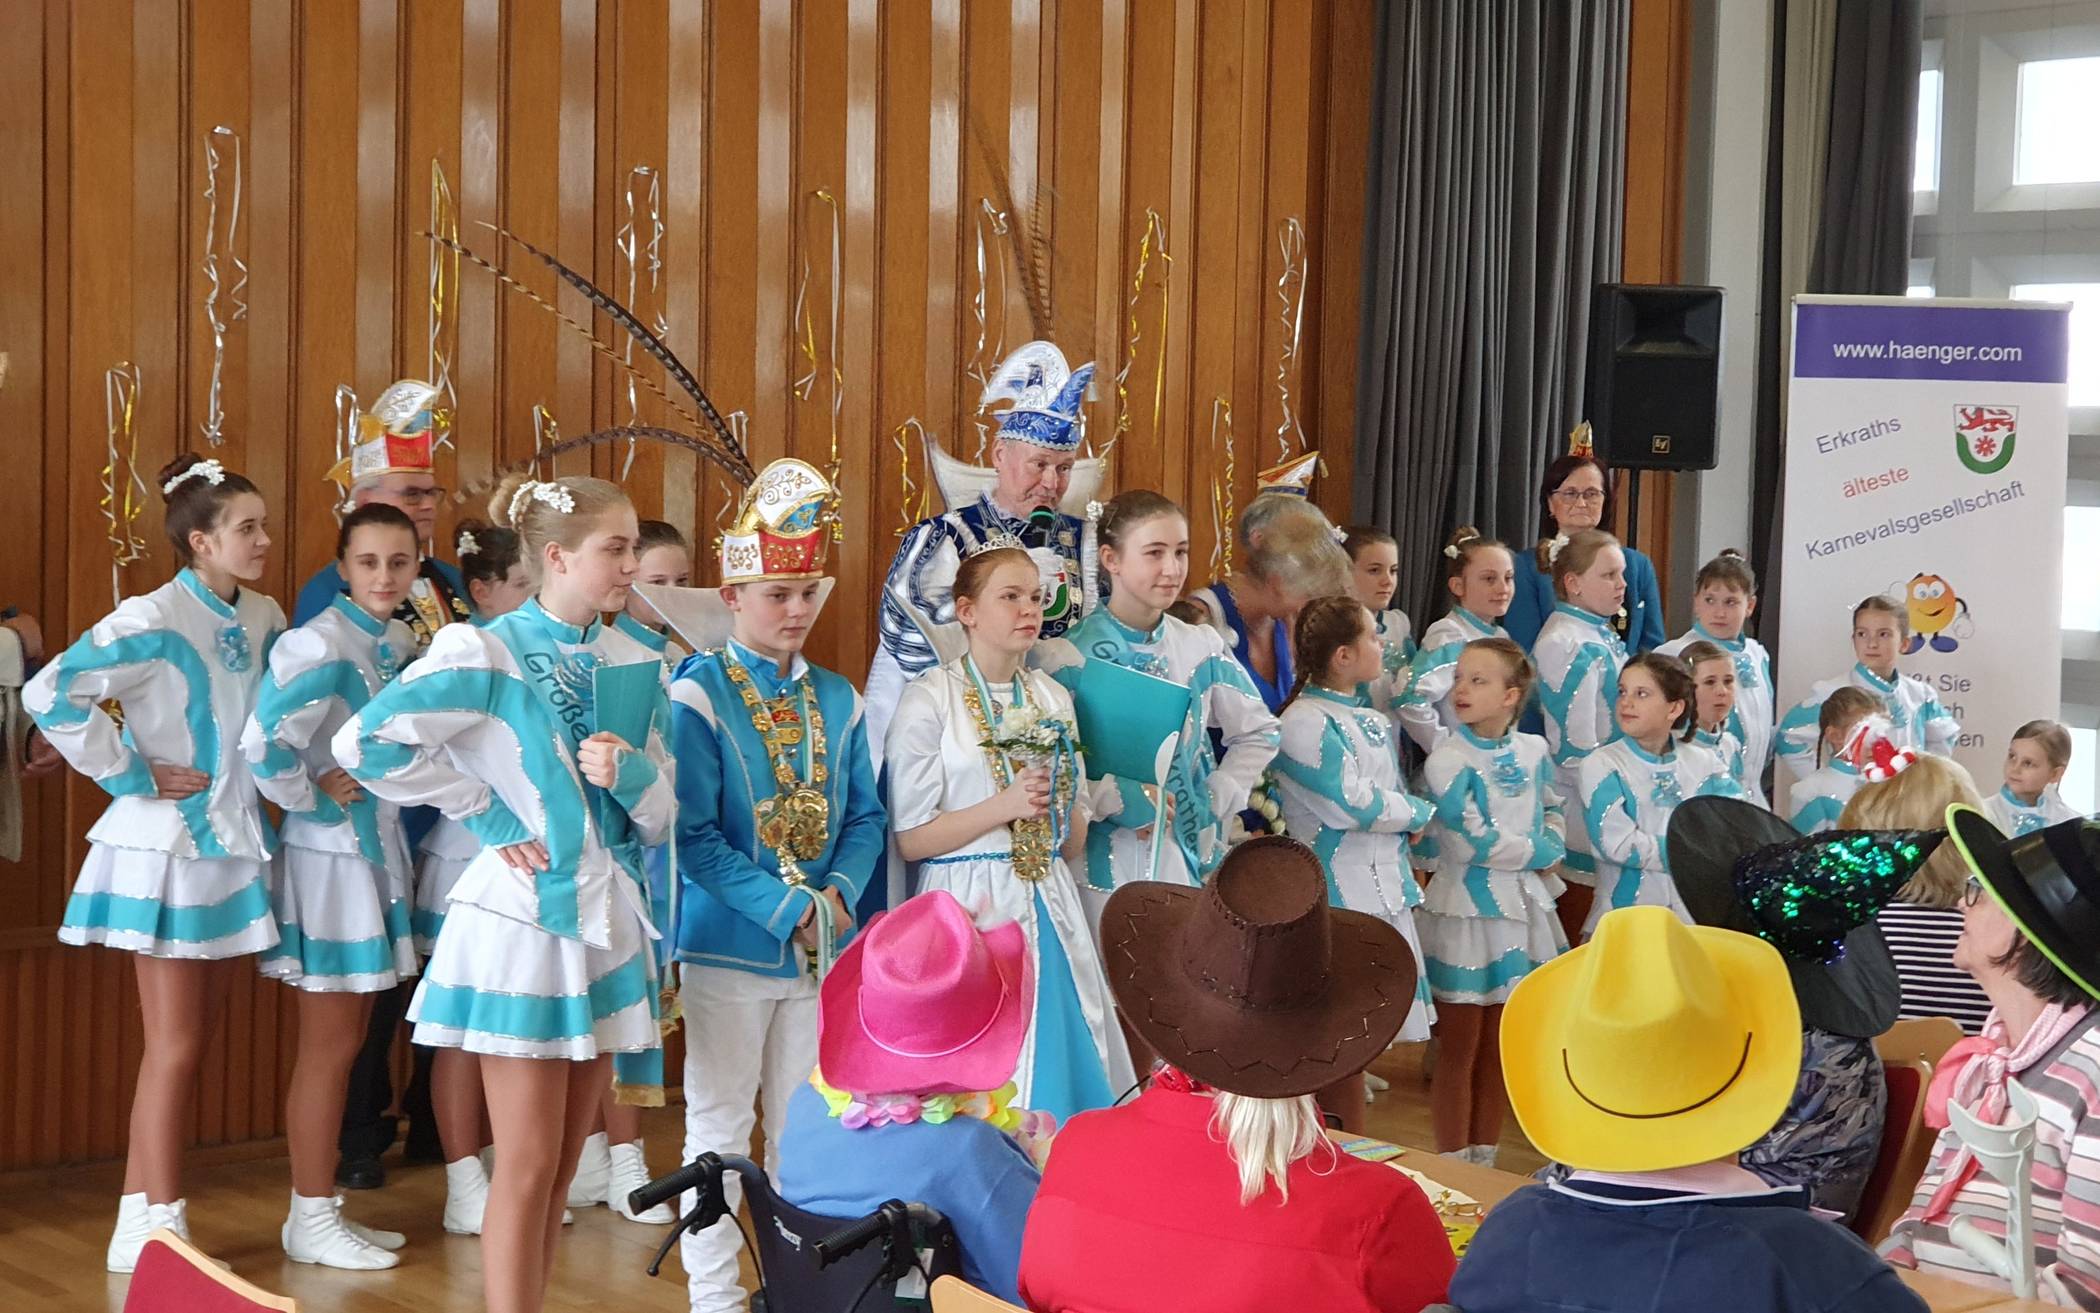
(543, 967)
(178, 868)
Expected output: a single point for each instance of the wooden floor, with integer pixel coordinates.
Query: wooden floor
(54, 1226)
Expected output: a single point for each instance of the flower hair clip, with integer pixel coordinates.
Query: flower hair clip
(466, 544)
(1451, 551)
(1339, 534)
(1556, 546)
(208, 470)
(1093, 510)
(547, 494)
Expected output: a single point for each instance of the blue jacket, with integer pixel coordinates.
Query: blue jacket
(1533, 601)
(979, 1179)
(1609, 1248)
(734, 910)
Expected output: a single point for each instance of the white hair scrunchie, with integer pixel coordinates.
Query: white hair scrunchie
(466, 544)
(208, 470)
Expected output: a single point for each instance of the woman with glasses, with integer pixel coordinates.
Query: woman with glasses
(1576, 495)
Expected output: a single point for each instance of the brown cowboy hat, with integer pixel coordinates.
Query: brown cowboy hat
(1252, 984)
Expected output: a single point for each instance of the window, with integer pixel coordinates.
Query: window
(2006, 202)
(1925, 172)
(2085, 333)
(2053, 138)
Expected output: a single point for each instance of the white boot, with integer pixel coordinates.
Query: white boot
(315, 1233)
(466, 1196)
(629, 1173)
(593, 1173)
(372, 1235)
(1484, 1154)
(137, 1219)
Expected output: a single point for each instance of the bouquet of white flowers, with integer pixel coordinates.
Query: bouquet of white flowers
(1028, 736)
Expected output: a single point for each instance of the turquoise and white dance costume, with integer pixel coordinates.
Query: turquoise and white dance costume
(1397, 633)
(2014, 817)
(1208, 790)
(1752, 719)
(343, 874)
(1489, 921)
(547, 964)
(1423, 706)
(1916, 718)
(167, 878)
(658, 859)
(750, 997)
(1074, 1058)
(1578, 655)
(1819, 797)
(1628, 796)
(1339, 780)
(1734, 758)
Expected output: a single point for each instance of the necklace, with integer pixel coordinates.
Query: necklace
(796, 821)
(1034, 840)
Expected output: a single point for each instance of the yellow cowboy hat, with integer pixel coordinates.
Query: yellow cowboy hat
(1655, 1045)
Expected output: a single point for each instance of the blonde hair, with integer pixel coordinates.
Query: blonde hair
(538, 522)
(1300, 550)
(1917, 798)
(1265, 1136)
(1576, 556)
(1273, 508)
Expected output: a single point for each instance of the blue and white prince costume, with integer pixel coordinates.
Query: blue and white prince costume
(547, 964)
(917, 622)
(777, 804)
(166, 878)
(342, 895)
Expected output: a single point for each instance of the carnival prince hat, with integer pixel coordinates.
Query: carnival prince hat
(394, 437)
(1252, 983)
(1655, 1045)
(924, 1002)
(2048, 882)
(783, 526)
(1047, 395)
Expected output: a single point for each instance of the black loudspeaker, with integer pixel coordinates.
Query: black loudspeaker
(1655, 375)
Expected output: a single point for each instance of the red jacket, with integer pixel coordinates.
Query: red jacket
(1139, 1212)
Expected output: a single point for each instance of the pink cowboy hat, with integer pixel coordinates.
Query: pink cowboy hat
(923, 1002)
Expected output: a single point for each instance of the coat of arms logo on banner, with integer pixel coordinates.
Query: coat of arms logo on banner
(1983, 436)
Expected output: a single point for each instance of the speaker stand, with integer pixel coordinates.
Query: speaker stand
(1633, 508)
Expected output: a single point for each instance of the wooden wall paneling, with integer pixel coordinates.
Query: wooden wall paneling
(728, 319)
(777, 206)
(686, 480)
(479, 376)
(431, 109)
(261, 405)
(901, 284)
(578, 150)
(529, 183)
(948, 258)
(1110, 283)
(633, 133)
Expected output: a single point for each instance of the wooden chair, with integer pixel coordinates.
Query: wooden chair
(1925, 1037)
(955, 1295)
(174, 1276)
(1906, 1146)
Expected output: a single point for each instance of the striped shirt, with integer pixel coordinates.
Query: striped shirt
(2066, 1088)
(1921, 939)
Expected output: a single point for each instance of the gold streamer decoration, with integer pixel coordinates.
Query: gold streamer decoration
(738, 422)
(1290, 291)
(216, 248)
(993, 228)
(1152, 246)
(806, 386)
(124, 493)
(346, 413)
(639, 243)
(1224, 514)
(915, 501)
(441, 344)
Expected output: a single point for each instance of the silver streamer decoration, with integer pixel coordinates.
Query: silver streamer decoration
(346, 415)
(639, 243)
(1290, 291)
(217, 247)
(442, 310)
(993, 228)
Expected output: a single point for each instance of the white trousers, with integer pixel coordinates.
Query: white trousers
(745, 1036)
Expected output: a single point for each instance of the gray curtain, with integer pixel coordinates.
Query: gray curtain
(1497, 171)
(1837, 206)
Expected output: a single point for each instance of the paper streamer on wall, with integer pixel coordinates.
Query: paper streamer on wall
(1152, 246)
(346, 413)
(1290, 291)
(442, 312)
(639, 244)
(124, 493)
(993, 229)
(1224, 513)
(806, 386)
(915, 501)
(738, 422)
(545, 433)
(220, 246)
